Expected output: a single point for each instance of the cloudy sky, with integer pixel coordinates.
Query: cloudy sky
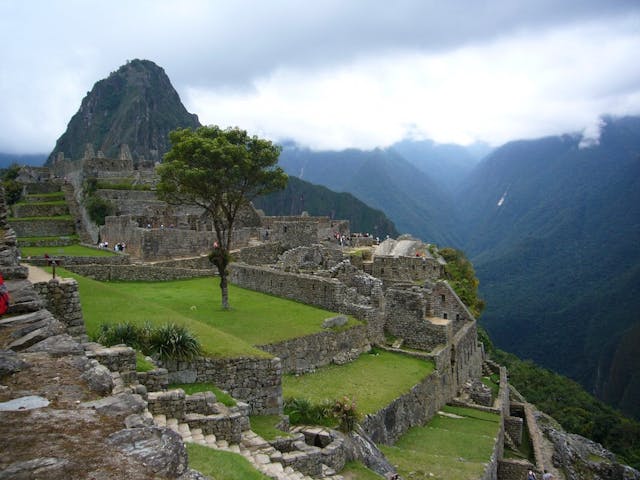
(331, 74)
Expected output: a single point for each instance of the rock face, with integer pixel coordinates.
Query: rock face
(136, 105)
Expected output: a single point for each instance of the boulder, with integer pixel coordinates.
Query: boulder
(160, 449)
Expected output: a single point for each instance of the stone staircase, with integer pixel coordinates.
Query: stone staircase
(264, 457)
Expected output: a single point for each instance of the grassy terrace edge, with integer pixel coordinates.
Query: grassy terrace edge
(195, 303)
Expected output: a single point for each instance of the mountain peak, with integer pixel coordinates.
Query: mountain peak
(136, 105)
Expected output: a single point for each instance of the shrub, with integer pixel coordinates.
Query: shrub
(126, 333)
(98, 209)
(174, 342)
(344, 410)
(302, 412)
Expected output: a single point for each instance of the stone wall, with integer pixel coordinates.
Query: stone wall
(292, 234)
(310, 289)
(445, 303)
(43, 228)
(67, 260)
(407, 269)
(132, 202)
(466, 356)
(411, 409)
(256, 381)
(39, 210)
(405, 318)
(61, 297)
(154, 380)
(264, 254)
(304, 354)
(133, 273)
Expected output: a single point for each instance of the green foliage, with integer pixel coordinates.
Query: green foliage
(142, 364)
(345, 411)
(357, 471)
(174, 342)
(167, 342)
(12, 188)
(220, 171)
(575, 409)
(463, 280)
(302, 411)
(98, 209)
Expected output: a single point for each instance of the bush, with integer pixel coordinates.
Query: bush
(168, 342)
(174, 342)
(344, 410)
(98, 209)
(126, 333)
(302, 412)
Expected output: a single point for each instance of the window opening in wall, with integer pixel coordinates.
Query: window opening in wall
(444, 315)
(442, 297)
(457, 316)
(382, 271)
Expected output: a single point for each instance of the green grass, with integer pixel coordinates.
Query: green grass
(221, 465)
(68, 250)
(373, 381)
(255, 318)
(191, 388)
(493, 382)
(265, 426)
(142, 364)
(31, 219)
(446, 448)
(46, 195)
(44, 239)
(48, 202)
(357, 471)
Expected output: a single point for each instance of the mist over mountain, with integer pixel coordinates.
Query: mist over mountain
(553, 230)
(446, 163)
(136, 105)
(385, 181)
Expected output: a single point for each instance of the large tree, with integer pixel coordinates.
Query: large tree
(221, 171)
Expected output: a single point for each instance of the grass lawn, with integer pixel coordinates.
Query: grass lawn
(255, 318)
(357, 471)
(221, 465)
(447, 448)
(31, 219)
(373, 380)
(265, 426)
(68, 250)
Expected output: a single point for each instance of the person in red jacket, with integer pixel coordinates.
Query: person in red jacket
(4, 296)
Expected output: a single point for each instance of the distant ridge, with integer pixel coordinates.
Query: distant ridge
(136, 105)
(317, 200)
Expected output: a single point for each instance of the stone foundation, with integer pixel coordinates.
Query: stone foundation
(61, 297)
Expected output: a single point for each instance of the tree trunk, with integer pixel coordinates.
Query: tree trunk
(224, 289)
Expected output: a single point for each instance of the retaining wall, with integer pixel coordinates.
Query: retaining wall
(67, 260)
(39, 210)
(43, 228)
(61, 297)
(256, 381)
(132, 273)
(304, 354)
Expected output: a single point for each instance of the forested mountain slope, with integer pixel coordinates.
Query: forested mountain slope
(553, 230)
(383, 180)
(299, 196)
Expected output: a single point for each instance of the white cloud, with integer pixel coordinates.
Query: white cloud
(534, 84)
(330, 74)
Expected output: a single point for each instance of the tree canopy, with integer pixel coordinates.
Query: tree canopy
(221, 171)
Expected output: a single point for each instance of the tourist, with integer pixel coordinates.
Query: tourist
(4, 296)
(531, 475)
(547, 476)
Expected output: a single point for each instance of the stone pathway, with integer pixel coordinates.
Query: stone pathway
(253, 447)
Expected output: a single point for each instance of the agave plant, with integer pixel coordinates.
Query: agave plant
(174, 342)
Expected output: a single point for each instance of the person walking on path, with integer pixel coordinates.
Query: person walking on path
(531, 475)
